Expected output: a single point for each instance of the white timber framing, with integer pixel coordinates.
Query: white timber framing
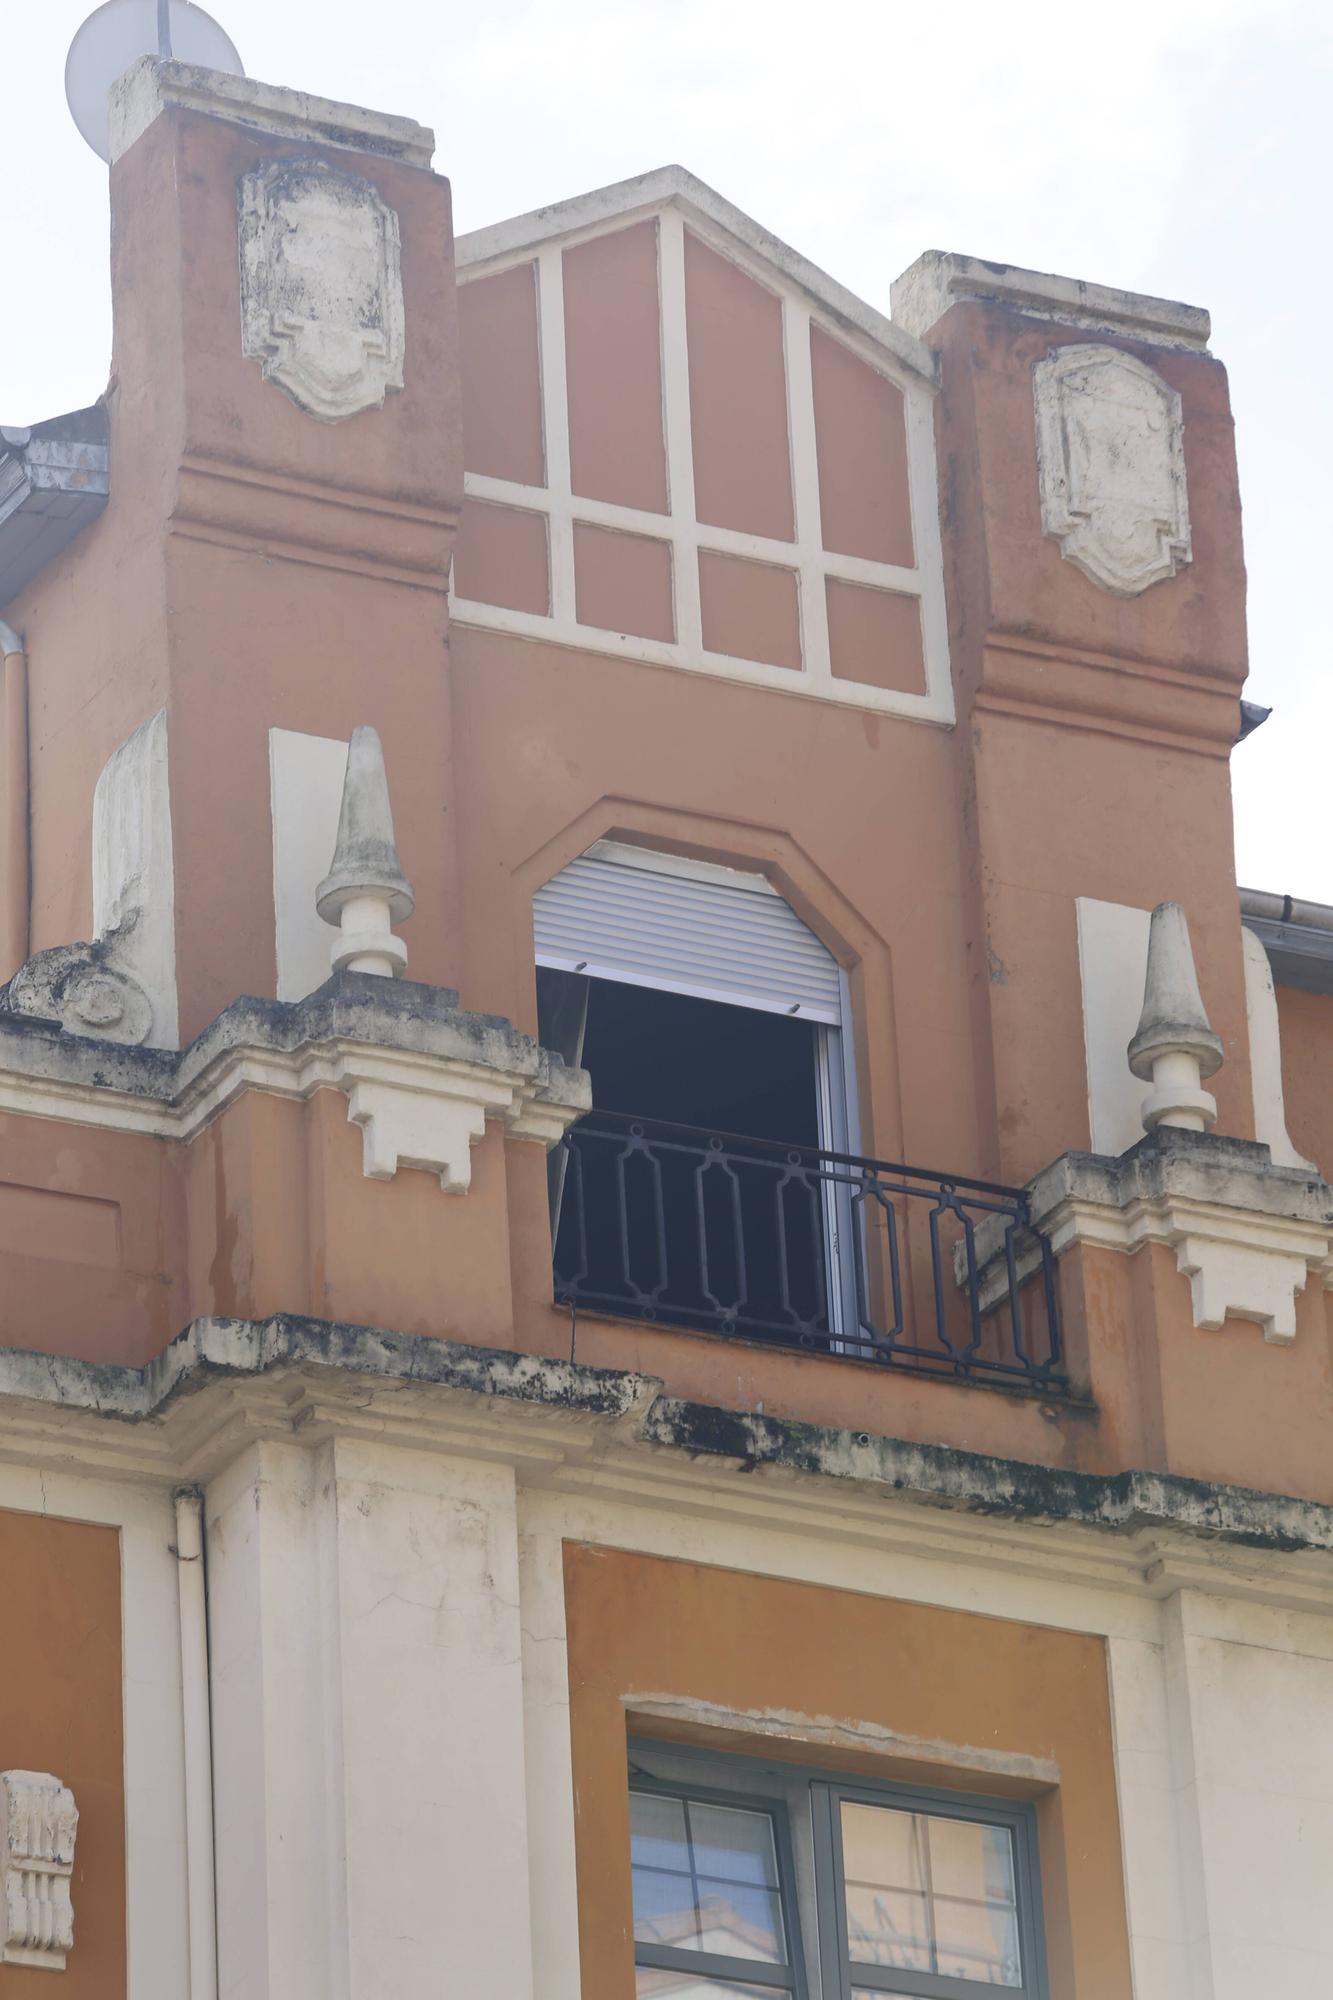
(677, 202)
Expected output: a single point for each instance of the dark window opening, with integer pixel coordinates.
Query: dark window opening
(663, 1216)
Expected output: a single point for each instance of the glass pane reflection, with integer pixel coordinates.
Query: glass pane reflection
(705, 1879)
(930, 1894)
(650, 1984)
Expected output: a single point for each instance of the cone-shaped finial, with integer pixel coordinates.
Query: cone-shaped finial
(1174, 1047)
(365, 859)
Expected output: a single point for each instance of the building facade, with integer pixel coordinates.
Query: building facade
(662, 1234)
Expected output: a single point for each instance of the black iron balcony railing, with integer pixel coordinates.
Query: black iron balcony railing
(803, 1248)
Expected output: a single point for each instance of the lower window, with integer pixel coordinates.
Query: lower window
(753, 1881)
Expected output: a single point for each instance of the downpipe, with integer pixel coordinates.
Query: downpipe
(196, 1710)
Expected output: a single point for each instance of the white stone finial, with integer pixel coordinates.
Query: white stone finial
(1174, 1048)
(366, 891)
(38, 1825)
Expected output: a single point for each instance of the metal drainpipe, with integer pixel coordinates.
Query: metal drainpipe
(196, 1711)
(15, 836)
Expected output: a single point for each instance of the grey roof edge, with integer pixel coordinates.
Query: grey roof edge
(212, 1349)
(676, 185)
(54, 480)
(938, 279)
(1297, 935)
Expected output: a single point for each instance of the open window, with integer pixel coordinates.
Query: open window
(714, 1025)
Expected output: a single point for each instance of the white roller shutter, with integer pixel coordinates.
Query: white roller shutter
(711, 933)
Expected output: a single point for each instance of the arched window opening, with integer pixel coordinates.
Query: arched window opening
(713, 1023)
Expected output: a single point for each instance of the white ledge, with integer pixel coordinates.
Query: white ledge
(943, 278)
(421, 1075)
(153, 85)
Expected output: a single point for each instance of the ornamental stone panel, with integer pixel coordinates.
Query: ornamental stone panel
(321, 287)
(38, 1824)
(1111, 465)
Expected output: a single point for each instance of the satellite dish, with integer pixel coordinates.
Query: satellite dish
(117, 35)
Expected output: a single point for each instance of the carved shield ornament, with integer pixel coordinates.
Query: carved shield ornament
(321, 287)
(1111, 463)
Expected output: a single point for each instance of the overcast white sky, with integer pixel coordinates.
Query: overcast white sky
(1171, 146)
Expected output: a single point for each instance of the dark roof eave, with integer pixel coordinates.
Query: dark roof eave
(54, 480)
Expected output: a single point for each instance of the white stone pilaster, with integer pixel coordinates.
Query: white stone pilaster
(368, 1718)
(281, 1928)
(549, 1760)
(1250, 1690)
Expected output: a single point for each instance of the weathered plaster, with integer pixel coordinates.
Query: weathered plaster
(942, 278)
(1111, 467)
(421, 1074)
(321, 286)
(220, 1352)
(153, 85)
(1246, 1232)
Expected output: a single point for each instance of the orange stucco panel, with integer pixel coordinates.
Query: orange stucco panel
(865, 507)
(623, 583)
(738, 397)
(752, 1645)
(60, 1711)
(502, 410)
(875, 636)
(750, 610)
(613, 369)
(501, 558)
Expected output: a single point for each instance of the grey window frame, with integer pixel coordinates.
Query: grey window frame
(781, 1789)
(839, 1972)
(788, 1979)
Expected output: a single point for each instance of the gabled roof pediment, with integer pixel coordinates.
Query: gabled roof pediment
(676, 188)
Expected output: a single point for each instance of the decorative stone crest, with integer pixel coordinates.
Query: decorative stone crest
(38, 1824)
(1111, 464)
(83, 988)
(321, 288)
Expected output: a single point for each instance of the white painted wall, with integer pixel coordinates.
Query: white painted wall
(1251, 1698)
(305, 787)
(134, 883)
(394, 1791)
(368, 1726)
(1270, 1110)
(1113, 962)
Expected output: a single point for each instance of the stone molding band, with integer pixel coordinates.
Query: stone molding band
(422, 1075)
(296, 1373)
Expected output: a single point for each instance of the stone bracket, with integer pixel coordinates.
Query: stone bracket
(1247, 1234)
(1239, 1266)
(421, 1111)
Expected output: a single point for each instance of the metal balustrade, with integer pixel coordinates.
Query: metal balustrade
(803, 1248)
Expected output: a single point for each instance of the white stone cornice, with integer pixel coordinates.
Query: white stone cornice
(598, 1435)
(420, 1086)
